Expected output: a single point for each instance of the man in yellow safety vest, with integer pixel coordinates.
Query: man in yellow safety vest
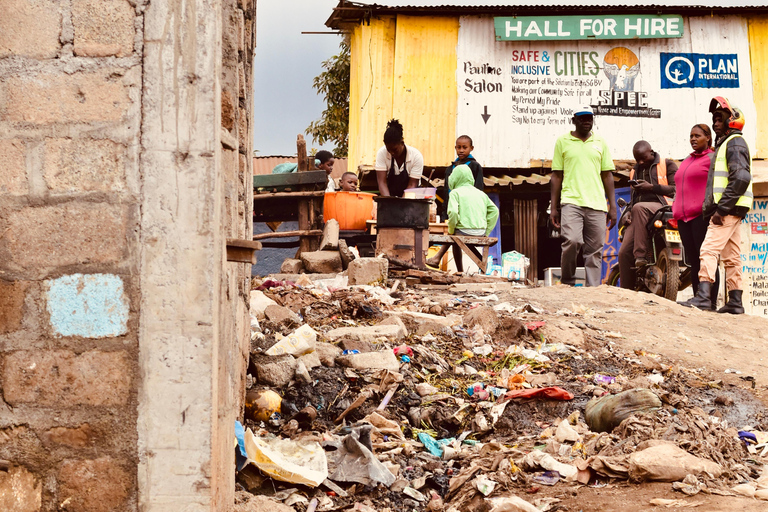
(727, 201)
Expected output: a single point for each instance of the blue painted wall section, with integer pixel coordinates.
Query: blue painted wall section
(88, 305)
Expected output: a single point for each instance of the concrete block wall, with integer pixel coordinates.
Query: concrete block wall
(70, 118)
(125, 132)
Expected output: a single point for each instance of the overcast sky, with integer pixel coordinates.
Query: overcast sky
(285, 63)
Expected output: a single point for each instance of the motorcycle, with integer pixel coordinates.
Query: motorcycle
(666, 272)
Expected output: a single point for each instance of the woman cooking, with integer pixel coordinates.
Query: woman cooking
(398, 166)
(691, 185)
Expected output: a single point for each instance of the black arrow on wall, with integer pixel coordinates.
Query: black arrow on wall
(485, 114)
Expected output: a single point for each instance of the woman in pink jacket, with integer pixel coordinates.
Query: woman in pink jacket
(691, 185)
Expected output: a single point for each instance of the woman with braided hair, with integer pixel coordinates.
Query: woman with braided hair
(398, 166)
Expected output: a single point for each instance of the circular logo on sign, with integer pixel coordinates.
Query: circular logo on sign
(679, 70)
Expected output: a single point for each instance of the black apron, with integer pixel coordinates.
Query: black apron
(397, 183)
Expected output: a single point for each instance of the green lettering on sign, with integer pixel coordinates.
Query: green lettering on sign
(564, 28)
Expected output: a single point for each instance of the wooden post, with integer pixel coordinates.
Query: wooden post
(305, 208)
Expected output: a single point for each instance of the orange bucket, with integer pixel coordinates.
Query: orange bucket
(350, 209)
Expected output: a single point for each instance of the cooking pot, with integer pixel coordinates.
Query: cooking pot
(396, 212)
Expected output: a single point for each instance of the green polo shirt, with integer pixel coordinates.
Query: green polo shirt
(581, 163)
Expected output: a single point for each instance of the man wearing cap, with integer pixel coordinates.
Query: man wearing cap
(727, 200)
(582, 178)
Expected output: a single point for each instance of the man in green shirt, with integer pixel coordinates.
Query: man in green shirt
(582, 178)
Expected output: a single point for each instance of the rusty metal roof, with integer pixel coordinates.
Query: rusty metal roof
(265, 164)
(353, 12)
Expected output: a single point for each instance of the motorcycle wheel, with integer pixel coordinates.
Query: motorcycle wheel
(613, 276)
(671, 275)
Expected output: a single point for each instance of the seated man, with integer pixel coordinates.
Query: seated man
(653, 184)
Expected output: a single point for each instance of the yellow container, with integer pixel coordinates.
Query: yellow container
(350, 209)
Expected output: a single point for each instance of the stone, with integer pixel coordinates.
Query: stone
(30, 28)
(100, 485)
(12, 294)
(13, 172)
(49, 237)
(281, 315)
(247, 502)
(322, 262)
(228, 109)
(84, 165)
(424, 323)
(367, 333)
(425, 389)
(103, 28)
(291, 266)
(274, 371)
(87, 305)
(327, 353)
(483, 316)
(311, 359)
(20, 490)
(346, 255)
(360, 346)
(369, 271)
(259, 303)
(559, 331)
(384, 360)
(330, 240)
(64, 379)
(62, 98)
(79, 437)
(394, 320)
(669, 463)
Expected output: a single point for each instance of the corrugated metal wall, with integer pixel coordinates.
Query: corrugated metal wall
(758, 49)
(424, 94)
(405, 70)
(370, 88)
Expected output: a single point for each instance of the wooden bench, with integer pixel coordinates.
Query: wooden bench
(464, 241)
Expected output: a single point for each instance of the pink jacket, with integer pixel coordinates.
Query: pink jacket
(691, 185)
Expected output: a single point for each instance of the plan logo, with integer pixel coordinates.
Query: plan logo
(699, 70)
(622, 67)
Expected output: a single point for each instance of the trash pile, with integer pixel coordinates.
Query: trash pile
(462, 398)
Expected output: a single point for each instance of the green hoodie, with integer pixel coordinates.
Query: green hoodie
(468, 207)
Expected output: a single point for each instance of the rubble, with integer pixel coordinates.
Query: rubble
(321, 262)
(368, 271)
(462, 398)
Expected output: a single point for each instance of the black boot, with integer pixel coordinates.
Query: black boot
(733, 306)
(702, 300)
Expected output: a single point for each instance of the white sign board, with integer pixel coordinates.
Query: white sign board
(515, 98)
(754, 258)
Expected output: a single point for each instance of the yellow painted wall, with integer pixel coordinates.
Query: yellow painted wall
(758, 50)
(403, 68)
(370, 88)
(424, 92)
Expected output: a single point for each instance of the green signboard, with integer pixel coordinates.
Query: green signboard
(565, 28)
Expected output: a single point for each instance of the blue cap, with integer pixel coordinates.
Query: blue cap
(585, 110)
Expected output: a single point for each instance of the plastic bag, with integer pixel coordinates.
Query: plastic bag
(286, 460)
(299, 342)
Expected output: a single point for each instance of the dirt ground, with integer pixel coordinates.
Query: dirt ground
(695, 339)
(706, 358)
(692, 338)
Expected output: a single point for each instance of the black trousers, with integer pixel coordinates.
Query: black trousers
(692, 234)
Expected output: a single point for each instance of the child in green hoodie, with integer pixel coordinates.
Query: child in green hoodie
(470, 213)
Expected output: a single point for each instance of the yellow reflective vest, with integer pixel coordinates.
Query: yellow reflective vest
(720, 179)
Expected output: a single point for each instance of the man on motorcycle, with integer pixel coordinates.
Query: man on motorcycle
(653, 186)
(727, 201)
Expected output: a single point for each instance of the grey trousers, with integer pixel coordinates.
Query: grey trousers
(581, 228)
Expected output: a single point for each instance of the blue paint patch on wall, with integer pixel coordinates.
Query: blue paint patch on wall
(88, 305)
